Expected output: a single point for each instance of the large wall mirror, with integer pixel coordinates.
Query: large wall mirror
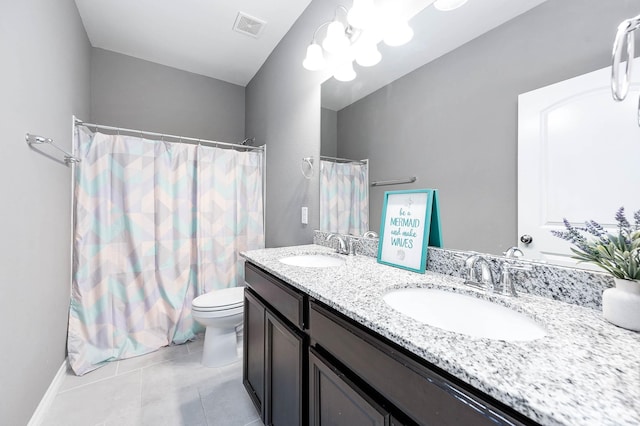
(451, 119)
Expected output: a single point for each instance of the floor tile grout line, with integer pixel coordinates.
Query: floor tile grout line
(204, 411)
(117, 369)
(141, 401)
(152, 363)
(86, 384)
(115, 374)
(225, 374)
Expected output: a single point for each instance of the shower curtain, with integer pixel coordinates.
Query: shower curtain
(344, 197)
(155, 224)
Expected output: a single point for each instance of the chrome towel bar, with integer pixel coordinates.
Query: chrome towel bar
(394, 181)
(39, 140)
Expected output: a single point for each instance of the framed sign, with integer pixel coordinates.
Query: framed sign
(410, 222)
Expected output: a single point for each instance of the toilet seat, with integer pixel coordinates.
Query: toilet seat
(228, 301)
(224, 313)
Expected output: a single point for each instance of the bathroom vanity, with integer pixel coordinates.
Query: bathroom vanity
(322, 347)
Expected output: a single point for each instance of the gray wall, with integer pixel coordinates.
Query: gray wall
(328, 132)
(137, 94)
(453, 122)
(44, 79)
(283, 111)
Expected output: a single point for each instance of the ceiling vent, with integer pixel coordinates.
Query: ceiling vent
(249, 25)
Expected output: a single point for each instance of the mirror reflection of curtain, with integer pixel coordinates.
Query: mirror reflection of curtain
(155, 223)
(344, 197)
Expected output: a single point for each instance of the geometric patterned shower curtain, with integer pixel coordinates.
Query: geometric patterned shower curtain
(344, 197)
(230, 214)
(155, 223)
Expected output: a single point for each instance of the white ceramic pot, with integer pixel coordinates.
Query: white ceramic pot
(621, 304)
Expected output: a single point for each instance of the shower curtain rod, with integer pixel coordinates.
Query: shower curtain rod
(164, 135)
(342, 160)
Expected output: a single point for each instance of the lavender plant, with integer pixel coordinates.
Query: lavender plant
(618, 254)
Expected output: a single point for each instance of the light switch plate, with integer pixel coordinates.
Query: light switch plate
(305, 215)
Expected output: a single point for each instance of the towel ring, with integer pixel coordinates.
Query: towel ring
(308, 161)
(620, 86)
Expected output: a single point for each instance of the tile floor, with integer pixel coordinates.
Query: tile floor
(167, 387)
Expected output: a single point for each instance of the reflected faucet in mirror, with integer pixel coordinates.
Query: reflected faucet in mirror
(346, 243)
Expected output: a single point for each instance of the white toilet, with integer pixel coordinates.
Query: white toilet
(220, 311)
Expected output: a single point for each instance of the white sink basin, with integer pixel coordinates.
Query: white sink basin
(464, 314)
(313, 261)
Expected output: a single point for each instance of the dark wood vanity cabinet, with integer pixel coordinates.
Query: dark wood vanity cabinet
(414, 390)
(285, 378)
(335, 400)
(253, 369)
(305, 363)
(274, 369)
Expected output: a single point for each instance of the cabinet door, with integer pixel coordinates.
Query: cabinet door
(284, 373)
(254, 354)
(336, 401)
(415, 389)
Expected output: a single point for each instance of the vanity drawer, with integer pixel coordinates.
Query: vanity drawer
(419, 392)
(284, 299)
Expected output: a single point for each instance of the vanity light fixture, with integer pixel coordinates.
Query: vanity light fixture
(399, 33)
(336, 41)
(362, 14)
(447, 5)
(344, 71)
(354, 35)
(314, 60)
(368, 55)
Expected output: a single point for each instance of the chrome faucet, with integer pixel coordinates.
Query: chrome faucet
(370, 234)
(342, 243)
(346, 244)
(486, 281)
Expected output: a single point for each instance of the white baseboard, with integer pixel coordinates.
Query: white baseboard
(49, 395)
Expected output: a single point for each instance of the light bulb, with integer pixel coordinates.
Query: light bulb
(368, 55)
(447, 5)
(362, 14)
(314, 60)
(336, 40)
(398, 34)
(345, 72)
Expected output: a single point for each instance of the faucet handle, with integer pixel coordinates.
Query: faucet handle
(513, 253)
(352, 241)
(508, 282)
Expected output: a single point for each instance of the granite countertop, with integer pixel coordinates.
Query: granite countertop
(585, 371)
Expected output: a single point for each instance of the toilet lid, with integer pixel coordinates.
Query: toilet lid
(227, 298)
